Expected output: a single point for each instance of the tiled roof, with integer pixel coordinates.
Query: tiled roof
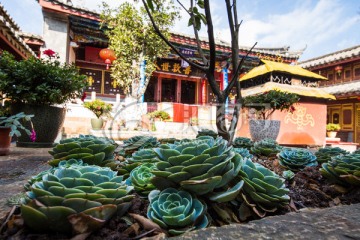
(67, 4)
(11, 32)
(332, 57)
(344, 88)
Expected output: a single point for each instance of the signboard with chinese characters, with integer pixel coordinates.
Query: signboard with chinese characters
(174, 66)
(94, 79)
(111, 86)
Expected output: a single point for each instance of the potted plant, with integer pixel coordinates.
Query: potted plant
(157, 119)
(332, 129)
(100, 109)
(262, 106)
(34, 86)
(10, 126)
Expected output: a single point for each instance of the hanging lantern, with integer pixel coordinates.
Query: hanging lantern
(338, 69)
(108, 56)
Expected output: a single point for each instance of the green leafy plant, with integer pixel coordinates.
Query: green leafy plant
(243, 142)
(14, 123)
(176, 211)
(332, 127)
(266, 147)
(325, 154)
(201, 166)
(75, 199)
(39, 81)
(98, 107)
(206, 132)
(343, 170)
(159, 114)
(267, 103)
(288, 175)
(263, 192)
(90, 149)
(140, 178)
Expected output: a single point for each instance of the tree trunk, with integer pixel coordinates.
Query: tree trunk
(220, 120)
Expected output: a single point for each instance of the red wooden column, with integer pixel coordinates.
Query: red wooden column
(159, 89)
(178, 90)
(203, 91)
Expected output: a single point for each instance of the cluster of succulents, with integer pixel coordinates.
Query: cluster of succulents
(325, 154)
(136, 143)
(140, 178)
(75, 199)
(343, 170)
(90, 149)
(176, 211)
(263, 191)
(207, 132)
(243, 142)
(296, 159)
(167, 140)
(267, 147)
(201, 166)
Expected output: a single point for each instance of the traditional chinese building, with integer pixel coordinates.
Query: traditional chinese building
(342, 68)
(75, 33)
(11, 37)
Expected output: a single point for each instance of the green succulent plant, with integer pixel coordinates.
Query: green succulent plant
(243, 142)
(207, 132)
(357, 151)
(136, 143)
(343, 170)
(140, 178)
(288, 175)
(325, 154)
(266, 147)
(75, 199)
(297, 159)
(201, 166)
(263, 191)
(167, 140)
(243, 152)
(90, 149)
(176, 211)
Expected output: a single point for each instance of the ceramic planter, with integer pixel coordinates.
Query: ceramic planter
(261, 129)
(97, 123)
(5, 140)
(47, 120)
(331, 134)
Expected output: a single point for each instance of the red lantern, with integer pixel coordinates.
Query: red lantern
(108, 56)
(338, 69)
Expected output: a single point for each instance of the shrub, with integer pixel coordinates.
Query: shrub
(332, 127)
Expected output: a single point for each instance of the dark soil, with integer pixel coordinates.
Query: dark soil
(308, 189)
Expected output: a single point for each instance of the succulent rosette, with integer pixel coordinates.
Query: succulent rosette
(176, 211)
(207, 132)
(325, 154)
(263, 191)
(266, 147)
(75, 199)
(343, 170)
(243, 142)
(200, 166)
(140, 178)
(297, 159)
(243, 152)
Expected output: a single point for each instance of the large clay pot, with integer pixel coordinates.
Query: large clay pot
(261, 129)
(97, 123)
(47, 120)
(5, 140)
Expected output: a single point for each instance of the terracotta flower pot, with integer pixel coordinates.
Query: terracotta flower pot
(5, 140)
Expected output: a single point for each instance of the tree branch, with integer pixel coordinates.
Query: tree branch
(198, 41)
(211, 38)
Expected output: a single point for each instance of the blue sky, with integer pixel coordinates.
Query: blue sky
(322, 26)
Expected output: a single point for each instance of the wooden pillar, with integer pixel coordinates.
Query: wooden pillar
(158, 90)
(178, 91)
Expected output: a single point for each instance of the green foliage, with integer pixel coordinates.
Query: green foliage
(332, 127)
(201, 166)
(14, 122)
(296, 159)
(167, 140)
(39, 81)
(243, 142)
(136, 143)
(267, 103)
(98, 107)
(206, 132)
(325, 154)
(263, 191)
(75, 199)
(140, 178)
(134, 40)
(176, 211)
(343, 170)
(244, 153)
(288, 175)
(89, 149)
(266, 147)
(159, 114)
